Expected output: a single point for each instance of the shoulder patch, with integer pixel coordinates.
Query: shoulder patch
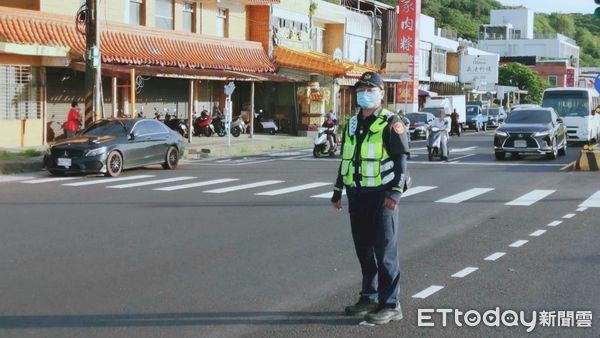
(399, 127)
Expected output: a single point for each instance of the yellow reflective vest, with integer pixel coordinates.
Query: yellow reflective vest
(375, 167)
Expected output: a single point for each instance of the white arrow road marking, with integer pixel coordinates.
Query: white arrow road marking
(428, 292)
(531, 197)
(243, 187)
(465, 195)
(197, 184)
(141, 184)
(592, 202)
(108, 180)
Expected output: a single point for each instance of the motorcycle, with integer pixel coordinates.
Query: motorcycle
(434, 143)
(264, 126)
(237, 126)
(176, 124)
(203, 124)
(218, 123)
(322, 144)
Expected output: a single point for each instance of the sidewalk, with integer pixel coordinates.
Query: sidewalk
(201, 147)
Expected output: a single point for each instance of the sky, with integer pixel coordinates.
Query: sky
(549, 6)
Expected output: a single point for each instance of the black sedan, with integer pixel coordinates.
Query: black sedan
(110, 146)
(531, 131)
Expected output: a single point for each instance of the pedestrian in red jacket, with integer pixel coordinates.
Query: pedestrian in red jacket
(73, 120)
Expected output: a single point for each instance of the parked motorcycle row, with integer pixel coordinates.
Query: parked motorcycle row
(207, 125)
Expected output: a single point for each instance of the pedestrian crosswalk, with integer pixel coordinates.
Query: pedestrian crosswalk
(315, 190)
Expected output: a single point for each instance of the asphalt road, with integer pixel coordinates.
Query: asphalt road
(250, 246)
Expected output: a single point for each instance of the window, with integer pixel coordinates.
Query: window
(19, 93)
(136, 12)
(164, 14)
(189, 22)
(439, 61)
(222, 22)
(552, 80)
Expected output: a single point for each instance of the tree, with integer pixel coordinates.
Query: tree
(515, 74)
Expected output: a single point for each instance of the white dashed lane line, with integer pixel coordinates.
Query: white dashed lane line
(537, 233)
(555, 223)
(518, 243)
(428, 292)
(494, 256)
(569, 216)
(581, 209)
(465, 272)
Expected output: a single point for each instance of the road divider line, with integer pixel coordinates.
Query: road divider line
(581, 209)
(197, 184)
(428, 292)
(327, 195)
(465, 272)
(293, 189)
(145, 183)
(537, 233)
(519, 243)
(108, 180)
(554, 223)
(465, 195)
(243, 187)
(592, 202)
(494, 256)
(567, 216)
(50, 179)
(531, 197)
(417, 190)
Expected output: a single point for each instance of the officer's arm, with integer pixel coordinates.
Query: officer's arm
(396, 142)
(339, 182)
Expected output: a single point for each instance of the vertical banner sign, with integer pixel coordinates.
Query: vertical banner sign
(570, 77)
(409, 12)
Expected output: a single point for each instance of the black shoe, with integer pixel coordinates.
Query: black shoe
(384, 315)
(360, 309)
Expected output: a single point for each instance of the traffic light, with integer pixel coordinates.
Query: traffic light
(597, 11)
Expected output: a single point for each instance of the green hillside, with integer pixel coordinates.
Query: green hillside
(465, 16)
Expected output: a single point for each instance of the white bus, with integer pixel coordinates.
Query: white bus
(577, 108)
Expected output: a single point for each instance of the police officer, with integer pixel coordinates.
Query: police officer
(373, 171)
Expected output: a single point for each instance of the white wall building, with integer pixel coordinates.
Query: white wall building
(510, 33)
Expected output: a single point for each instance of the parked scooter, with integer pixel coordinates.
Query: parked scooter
(434, 144)
(264, 126)
(323, 146)
(174, 123)
(203, 124)
(218, 123)
(237, 126)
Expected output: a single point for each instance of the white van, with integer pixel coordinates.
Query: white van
(577, 108)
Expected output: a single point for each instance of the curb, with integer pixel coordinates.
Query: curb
(21, 166)
(217, 151)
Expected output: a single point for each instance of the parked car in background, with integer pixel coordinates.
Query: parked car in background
(419, 122)
(523, 106)
(476, 118)
(531, 131)
(110, 146)
(496, 116)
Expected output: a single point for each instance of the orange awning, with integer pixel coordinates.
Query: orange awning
(138, 45)
(318, 63)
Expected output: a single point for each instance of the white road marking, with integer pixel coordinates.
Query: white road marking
(145, 183)
(531, 197)
(458, 150)
(50, 179)
(289, 153)
(592, 202)
(428, 292)
(293, 189)
(518, 243)
(417, 190)
(197, 184)
(455, 159)
(537, 233)
(223, 161)
(465, 272)
(108, 180)
(581, 209)
(569, 216)
(494, 256)
(555, 223)
(243, 187)
(327, 195)
(491, 164)
(465, 195)
(11, 178)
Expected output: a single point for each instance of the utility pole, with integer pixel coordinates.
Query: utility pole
(92, 64)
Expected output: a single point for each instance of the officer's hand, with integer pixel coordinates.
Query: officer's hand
(390, 203)
(337, 205)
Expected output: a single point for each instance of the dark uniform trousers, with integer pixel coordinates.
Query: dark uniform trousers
(375, 234)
